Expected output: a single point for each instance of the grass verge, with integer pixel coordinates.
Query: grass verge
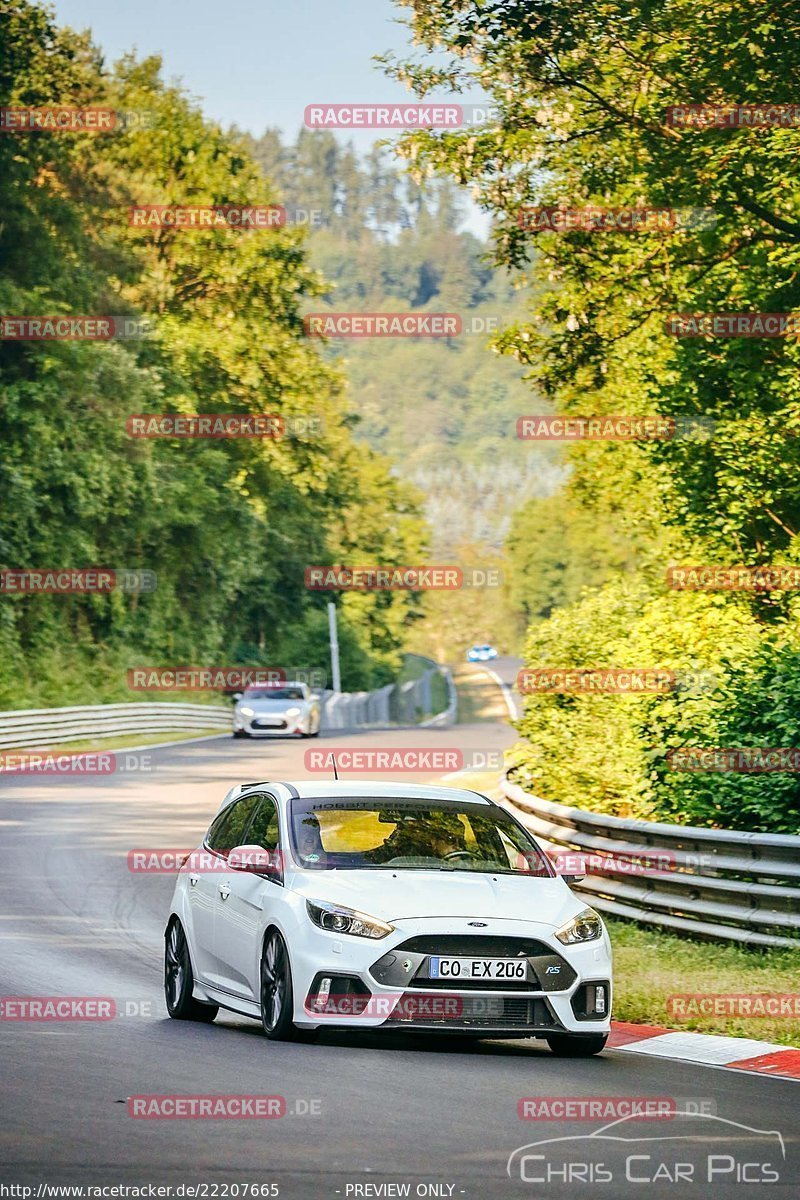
(650, 965)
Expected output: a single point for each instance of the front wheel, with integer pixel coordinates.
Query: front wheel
(179, 980)
(276, 988)
(240, 733)
(566, 1045)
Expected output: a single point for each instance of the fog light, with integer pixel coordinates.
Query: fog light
(323, 993)
(600, 999)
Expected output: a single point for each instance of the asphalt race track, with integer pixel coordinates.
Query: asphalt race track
(363, 1111)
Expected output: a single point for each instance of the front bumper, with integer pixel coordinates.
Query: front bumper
(281, 728)
(347, 982)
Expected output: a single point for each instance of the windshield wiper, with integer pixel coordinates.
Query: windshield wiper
(481, 870)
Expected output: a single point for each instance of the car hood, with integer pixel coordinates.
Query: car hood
(395, 895)
(271, 706)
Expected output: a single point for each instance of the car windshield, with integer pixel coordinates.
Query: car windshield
(276, 693)
(416, 835)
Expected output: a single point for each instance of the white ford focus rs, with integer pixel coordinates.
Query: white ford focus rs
(384, 906)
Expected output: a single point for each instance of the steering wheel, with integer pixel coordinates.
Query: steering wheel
(458, 854)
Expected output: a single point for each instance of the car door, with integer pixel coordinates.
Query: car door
(206, 870)
(243, 899)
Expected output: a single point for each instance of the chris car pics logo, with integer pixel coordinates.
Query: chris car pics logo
(632, 1152)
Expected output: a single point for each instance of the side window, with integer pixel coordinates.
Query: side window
(265, 830)
(229, 827)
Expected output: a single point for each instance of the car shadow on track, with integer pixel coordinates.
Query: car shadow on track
(400, 1041)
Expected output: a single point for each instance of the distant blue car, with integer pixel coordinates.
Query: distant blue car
(481, 654)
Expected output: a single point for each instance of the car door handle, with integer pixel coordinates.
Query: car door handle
(224, 890)
(193, 880)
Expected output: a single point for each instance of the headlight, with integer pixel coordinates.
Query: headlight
(244, 711)
(586, 927)
(292, 712)
(336, 918)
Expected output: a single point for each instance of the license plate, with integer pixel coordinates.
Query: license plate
(477, 968)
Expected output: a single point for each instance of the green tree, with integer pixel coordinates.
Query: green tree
(227, 526)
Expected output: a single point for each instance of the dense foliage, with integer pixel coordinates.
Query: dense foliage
(581, 92)
(226, 525)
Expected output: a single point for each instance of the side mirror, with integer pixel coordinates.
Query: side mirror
(255, 860)
(236, 697)
(573, 878)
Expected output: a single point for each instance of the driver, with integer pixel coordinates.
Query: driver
(444, 841)
(422, 835)
(309, 839)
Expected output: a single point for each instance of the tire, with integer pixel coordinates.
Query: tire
(565, 1045)
(239, 733)
(276, 989)
(179, 980)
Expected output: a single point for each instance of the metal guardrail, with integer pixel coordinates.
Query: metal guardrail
(448, 715)
(396, 704)
(54, 726)
(355, 710)
(719, 885)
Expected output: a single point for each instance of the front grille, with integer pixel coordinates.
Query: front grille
(474, 1012)
(406, 965)
(474, 945)
(477, 985)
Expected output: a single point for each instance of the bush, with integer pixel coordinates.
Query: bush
(737, 686)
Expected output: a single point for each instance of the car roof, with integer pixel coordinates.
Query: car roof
(330, 789)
